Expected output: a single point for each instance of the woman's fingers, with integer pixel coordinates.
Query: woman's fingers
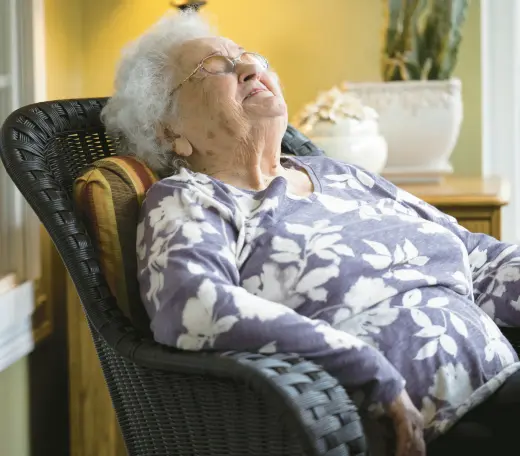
(408, 425)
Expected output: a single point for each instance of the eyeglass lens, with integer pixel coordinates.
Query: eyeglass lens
(219, 64)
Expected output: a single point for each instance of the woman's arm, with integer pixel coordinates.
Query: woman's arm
(495, 265)
(496, 276)
(191, 286)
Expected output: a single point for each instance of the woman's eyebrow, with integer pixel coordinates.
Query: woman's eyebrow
(214, 53)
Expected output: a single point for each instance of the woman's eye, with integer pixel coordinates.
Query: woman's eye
(217, 64)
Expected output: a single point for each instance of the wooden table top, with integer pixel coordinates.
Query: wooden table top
(463, 191)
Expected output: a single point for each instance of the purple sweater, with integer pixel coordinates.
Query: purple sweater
(378, 287)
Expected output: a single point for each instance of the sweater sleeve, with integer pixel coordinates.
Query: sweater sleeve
(190, 285)
(495, 265)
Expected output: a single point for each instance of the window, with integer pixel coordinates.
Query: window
(500, 43)
(21, 58)
(20, 53)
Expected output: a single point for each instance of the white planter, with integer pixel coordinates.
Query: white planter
(352, 141)
(420, 121)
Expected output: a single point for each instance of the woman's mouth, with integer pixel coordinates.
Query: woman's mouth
(255, 92)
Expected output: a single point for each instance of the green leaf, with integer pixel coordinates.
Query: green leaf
(421, 38)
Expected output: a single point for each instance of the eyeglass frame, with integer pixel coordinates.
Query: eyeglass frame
(233, 63)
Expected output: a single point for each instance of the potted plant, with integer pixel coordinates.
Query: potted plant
(419, 103)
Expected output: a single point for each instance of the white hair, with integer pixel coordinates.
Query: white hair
(145, 77)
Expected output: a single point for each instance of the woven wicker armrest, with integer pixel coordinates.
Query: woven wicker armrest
(239, 403)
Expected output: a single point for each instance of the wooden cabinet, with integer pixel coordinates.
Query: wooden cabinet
(94, 430)
(475, 202)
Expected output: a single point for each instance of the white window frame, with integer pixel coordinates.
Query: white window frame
(500, 66)
(19, 226)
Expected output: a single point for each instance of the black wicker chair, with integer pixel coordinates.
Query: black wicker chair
(170, 403)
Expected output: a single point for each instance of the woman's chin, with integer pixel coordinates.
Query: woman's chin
(266, 106)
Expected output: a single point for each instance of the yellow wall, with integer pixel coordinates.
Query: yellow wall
(64, 48)
(311, 48)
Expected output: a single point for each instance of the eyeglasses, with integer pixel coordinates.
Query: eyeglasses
(221, 64)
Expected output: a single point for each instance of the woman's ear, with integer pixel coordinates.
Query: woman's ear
(182, 147)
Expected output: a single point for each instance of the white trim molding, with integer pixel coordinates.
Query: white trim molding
(500, 66)
(23, 83)
(39, 54)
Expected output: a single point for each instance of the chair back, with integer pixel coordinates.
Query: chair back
(44, 147)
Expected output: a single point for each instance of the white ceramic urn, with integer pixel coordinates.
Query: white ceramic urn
(352, 141)
(420, 121)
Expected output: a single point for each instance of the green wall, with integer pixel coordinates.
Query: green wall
(14, 410)
(467, 157)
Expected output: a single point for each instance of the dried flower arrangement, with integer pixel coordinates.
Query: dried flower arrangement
(332, 106)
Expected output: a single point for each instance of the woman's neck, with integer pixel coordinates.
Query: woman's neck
(251, 166)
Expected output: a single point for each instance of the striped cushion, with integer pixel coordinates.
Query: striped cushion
(109, 195)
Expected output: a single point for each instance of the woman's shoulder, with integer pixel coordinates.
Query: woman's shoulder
(329, 168)
(321, 164)
(186, 188)
(186, 183)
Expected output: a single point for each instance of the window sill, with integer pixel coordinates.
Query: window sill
(16, 336)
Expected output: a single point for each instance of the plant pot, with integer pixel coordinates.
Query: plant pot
(420, 121)
(352, 141)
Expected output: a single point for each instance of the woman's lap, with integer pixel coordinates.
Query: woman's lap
(492, 428)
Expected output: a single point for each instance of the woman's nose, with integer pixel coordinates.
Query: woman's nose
(247, 71)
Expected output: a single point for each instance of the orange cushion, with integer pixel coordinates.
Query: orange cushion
(109, 195)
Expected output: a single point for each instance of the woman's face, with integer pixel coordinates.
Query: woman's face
(218, 112)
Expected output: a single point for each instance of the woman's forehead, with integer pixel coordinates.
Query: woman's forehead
(193, 51)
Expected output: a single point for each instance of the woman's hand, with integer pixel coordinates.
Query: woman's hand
(408, 425)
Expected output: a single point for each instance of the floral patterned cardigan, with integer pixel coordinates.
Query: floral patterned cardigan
(381, 289)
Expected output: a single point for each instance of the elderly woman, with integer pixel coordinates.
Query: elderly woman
(241, 248)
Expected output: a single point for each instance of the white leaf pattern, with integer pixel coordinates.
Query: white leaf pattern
(410, 250)
(379, 248)
(364, 178)
(355, 185)
(427, 350)
(412, 298)
(286, 245)
(459, 325)
(195, 268)
(419, 261)
(285, 257)
(201, 326)
(365, 293)
(343, 249)
(377, 261)
(337, 205)
(420, 318)
(440, 301)
(316, 278)
(399, 256)
(431, 331)
(412, 275)
(449, 344)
